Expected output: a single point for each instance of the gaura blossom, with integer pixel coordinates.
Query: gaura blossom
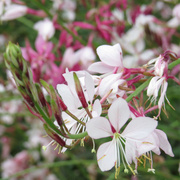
(159, 81)
(72, 101)
(111, 58)
(111, 153)
(154, 142)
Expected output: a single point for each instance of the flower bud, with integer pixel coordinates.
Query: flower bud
(54, 136)
(80, 91)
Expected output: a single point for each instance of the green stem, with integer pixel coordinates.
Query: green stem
(138, 90)
(174, 63)
(46, 118)
(78, 136)
(26, 22)
(51, 124)
(75, 118)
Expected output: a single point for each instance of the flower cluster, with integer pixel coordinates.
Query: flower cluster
(101, 106)
(82, 90)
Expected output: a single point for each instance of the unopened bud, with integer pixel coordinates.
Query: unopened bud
(26, 97)
(40, 95)
(61, 103)
(54, 136)
(80, 91)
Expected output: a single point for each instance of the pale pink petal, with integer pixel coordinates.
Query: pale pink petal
(164, 143)
(146, 145)
(119, 113)
(139, 128)
(110, 55)
(99, 127)
(89, 83)
(107, 83)
(106, 156)
(100, 67)
(163, 93)
(130, 149)
(97, 109)
(68, 98)
(151, 86)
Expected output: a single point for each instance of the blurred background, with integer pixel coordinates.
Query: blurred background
(93, 23)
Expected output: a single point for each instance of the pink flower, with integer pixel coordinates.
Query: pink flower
(109, 154)
(111, 58)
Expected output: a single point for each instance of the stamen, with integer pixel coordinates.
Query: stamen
(93, 149)
(45, 147)
(117, 171)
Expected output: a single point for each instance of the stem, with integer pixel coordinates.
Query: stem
(26, 22)
(47, 120)
(173, 64)
(75, 118)
(78, 136)
(138, 90)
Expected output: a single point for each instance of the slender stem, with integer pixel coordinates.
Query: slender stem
(75, 118)
(138, 90)
(174, 63)
(78, 136)
(47, 120)
(26, 22)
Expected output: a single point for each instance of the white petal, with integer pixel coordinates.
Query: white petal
(97, 109)
(161, 99)
(139, 128)
(68, 98)
(89, 83)
(164, 143)
(130, 149)
(107, 83)
(110, 55)
(106, 156)
(152, 86)
(100, 67)
(99, 127)
(119, 113)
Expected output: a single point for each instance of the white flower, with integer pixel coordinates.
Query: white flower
(13, 11)
(111, 58)
(110, 153)
(45, 28)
